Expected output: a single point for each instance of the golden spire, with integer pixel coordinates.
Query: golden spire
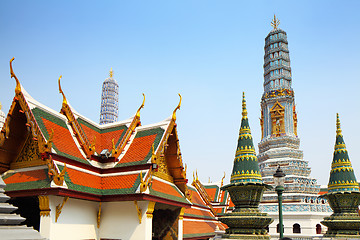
(12, 74)
(275, 22)
(142, 105)
(338, 128)
(244, 111)
(61, 91)
(0, 106)
(111, 73)
(178, 107)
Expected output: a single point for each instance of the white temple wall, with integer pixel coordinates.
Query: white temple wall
(119, 220)
(306, 221)
(77, 220)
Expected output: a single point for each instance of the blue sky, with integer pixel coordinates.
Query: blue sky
(209, 51)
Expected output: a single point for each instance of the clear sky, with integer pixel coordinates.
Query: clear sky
(209, 51)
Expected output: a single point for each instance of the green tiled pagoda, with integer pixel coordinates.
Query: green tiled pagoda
(246, 189)
(343, 194)
(246, 167)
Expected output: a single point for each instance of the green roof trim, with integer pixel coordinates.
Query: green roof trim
(39, 114)
(199, 235)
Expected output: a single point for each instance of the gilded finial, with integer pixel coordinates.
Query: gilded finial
(0, 106)
(178, 107)
(111, 73)
(275, 22)
(61, 91)
(244, 111)
(338, 127)
(222, 180)
(12, 74)
(197, 178)
(142, 106)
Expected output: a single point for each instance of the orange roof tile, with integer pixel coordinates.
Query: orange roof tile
(198, 212)
(195, 198)
(211, 192)
(118, 182)
(162, 187)
(62, 139)
(139, 148)
(195, 227)
(103, 140)
(29, 176)
(84, 179)
(98, 182)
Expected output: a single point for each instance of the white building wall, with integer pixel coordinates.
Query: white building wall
(306, 221)
(119, 220)
(78, 220)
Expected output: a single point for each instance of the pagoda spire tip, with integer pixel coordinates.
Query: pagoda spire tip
(111, 73)
(244, 111)
(275, 22)
(338, 127)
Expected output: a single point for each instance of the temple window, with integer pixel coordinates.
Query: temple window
(296, 228)
(318, 229)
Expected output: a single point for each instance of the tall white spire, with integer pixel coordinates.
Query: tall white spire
(109, 100)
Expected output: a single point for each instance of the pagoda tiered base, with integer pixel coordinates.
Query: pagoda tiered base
(345, 221)
(246, 221)
(247, 224)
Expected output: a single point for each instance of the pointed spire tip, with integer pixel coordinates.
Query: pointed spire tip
(244, 111)
(338, 127)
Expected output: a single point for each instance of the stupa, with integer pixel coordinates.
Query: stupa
(246, 189)
(343, 193)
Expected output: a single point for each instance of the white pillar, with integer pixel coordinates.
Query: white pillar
(148, 221)
(45, 216)
(45, 225)
(181, 224)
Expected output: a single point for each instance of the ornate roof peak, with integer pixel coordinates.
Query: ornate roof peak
(275, 22)
(111, 73)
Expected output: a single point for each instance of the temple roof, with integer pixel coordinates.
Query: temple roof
(199, 220)
(342, 177)
(246, 168)
(43, 150)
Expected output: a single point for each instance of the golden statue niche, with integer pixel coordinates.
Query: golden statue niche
(277, 113)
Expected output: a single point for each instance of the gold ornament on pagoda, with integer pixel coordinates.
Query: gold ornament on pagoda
(277, 113)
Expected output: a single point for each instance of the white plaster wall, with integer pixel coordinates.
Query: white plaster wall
(119, 220)
(307, 223)
(78, 219)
